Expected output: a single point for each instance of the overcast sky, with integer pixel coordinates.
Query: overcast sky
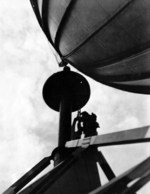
(28, 128)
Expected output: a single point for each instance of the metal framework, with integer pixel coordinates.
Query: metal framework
(125, 66)
(75, 161)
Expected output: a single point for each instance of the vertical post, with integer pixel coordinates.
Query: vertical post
(65, 119)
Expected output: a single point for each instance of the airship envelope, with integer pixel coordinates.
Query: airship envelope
(108, 40)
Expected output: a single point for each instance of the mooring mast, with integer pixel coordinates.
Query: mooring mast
(66, 92)
(76, 160)
(108, 41)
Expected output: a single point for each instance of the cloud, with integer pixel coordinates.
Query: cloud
(26, 62)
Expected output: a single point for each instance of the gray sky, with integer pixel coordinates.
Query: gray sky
(28, 128)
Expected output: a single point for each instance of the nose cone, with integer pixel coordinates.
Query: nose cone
(67, 83)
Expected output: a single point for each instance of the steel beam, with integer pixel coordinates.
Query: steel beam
(137, 135)
(25, 179)
(41, 185)
(117, 184)
(105, 166)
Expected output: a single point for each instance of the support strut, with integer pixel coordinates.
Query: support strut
(65, 120)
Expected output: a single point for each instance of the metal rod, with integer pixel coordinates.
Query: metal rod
(65, 120)
(25, 179)
(54, 174)
(105, 166)
(118, 183)
(139, 184)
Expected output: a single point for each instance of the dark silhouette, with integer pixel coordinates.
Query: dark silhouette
(86, 124)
